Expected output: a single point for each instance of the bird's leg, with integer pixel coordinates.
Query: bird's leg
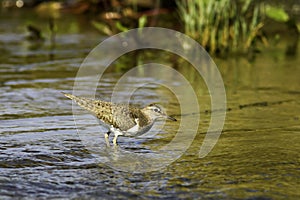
(117, 133)
(115, 139)
(107, 138)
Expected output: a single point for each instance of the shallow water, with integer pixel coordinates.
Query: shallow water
(43, 155)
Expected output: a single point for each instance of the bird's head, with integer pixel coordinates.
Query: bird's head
(154, 111)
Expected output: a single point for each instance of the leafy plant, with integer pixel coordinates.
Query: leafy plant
(276, 13)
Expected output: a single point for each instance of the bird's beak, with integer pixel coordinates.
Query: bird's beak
(171, 118)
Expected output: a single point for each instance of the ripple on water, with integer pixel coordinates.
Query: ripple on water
(42, 155)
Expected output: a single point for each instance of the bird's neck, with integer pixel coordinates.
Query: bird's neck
(145, 119)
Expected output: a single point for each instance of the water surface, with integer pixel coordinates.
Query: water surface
(42, 154)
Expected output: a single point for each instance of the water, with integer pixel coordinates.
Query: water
(42, 155)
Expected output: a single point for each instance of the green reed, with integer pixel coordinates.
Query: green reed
(222, 25)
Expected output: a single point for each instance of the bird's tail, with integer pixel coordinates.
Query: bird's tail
(86, 103)
(70, 96)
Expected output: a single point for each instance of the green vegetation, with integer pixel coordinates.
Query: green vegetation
(276, 13)
(222, 26)
(117, 26)
(233, 26)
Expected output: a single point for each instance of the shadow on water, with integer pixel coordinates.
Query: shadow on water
(42, 155)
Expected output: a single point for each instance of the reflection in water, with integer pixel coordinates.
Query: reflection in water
(42, 155)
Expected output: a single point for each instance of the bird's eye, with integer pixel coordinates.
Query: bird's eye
(156, 110)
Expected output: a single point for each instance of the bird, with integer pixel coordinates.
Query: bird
(121, 119)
